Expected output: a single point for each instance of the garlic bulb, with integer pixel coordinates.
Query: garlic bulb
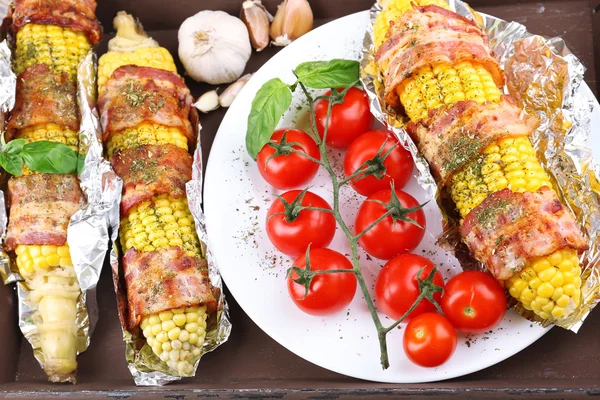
(214, 47)
(293, 19)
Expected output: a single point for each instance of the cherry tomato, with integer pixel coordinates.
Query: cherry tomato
(474, 302)
(429, 340)
(390, 236)
(289, 170)
(348, 120)
(397, 288)
(328, 293)
(398, 164)
(291, 232)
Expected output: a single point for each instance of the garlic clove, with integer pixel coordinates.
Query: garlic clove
(293, 19)
(256, 18)
(208, 101)
(229, 94)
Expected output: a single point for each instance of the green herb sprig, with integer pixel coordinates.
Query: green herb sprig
(269, 105)
(43, 156)
(275, 96)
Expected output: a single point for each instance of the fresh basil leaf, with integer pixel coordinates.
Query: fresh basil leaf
(334, 74)
(50, 157)
(15, 146)
(12, 163)
(269, 104)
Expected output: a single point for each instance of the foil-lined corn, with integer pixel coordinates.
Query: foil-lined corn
(549, 286)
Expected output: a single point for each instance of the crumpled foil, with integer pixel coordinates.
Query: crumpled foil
(146, 367)
(544, 77)
(86, 234)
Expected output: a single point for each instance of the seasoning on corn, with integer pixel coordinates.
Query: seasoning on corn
(62, 49)
(442, 84)
(146, 133)
(131, 46)
(510, 163)
(177, 336)
(160, 222)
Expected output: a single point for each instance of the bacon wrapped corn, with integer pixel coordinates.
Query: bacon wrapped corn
(476, 141)
(146, 109)
(51, 40)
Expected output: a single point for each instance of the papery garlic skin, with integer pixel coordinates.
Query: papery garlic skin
(214, 47)
(293, 19)
(256, 18)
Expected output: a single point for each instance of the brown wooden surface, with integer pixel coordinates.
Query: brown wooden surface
(250, 364)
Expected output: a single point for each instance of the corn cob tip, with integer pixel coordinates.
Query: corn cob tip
(549, 286)
(177, 337)
(130, 34)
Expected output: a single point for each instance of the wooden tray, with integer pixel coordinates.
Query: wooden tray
(251, 364)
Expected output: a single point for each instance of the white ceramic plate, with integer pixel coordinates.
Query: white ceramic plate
(236, 202)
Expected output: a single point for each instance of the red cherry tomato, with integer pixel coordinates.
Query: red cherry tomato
(389, 237)
(398, 164)
(348, 119)
(292, 237)
(288, 171)
(474, 302)
(328, 293)
(429, 340)
(396, 287)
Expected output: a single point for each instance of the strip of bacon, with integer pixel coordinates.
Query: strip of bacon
(143, 94)
(508, 228)
(165, 279)
(78, 15)
(431, 35)
(149, 170)
(43, 97)
(453, 136)
(41, 206)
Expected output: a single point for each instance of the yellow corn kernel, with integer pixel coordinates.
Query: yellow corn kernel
(32, 258)
(155, 57)
(433, 86)
(145, 230)
(179, 346)
(146, 133)
(547, 285)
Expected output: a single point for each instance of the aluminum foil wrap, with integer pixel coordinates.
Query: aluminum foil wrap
(544, 77)
(87, 234)
(146, 367)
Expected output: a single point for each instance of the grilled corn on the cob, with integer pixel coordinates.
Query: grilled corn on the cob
(160, 222)
(549, 286)
(131, 46)
(146, 133)
(177, 336)
(60, 48)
